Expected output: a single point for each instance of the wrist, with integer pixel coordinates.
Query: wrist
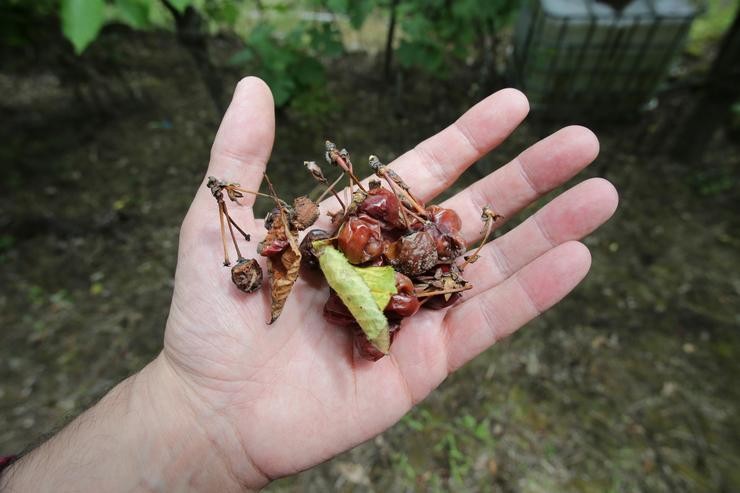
(183, 452)
(146, 434)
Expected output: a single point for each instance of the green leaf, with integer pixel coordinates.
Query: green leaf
(135, 12)
(81, 21)
(180, 5)
(381, 281)
(362, 293)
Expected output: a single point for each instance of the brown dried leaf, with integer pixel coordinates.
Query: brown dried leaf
(282, 267)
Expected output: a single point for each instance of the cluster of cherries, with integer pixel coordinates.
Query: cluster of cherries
(420, 243)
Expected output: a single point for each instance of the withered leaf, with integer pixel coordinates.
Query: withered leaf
(282, 266)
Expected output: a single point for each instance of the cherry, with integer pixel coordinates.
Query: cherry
(446, 220)
(366, 348)
(413, 254)
(404, 302)
(383, 205)
(360, 239)
(336, 312)
(308, 253)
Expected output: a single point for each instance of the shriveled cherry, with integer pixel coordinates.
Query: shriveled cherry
(365, 348)
(360, 239)
(308, 253)
(404, 302)
(446, 220)
(413, 254)
(336, 312)
(383, 205)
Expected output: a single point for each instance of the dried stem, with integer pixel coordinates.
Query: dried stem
(243, 190)
(384, 171)
(330, 188)
(490, 218)
(246, 235)
(444, 291)
(337, 158)
(231, 230)
(227, 262)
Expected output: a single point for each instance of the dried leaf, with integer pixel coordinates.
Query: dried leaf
(362, 298)
(282, 266)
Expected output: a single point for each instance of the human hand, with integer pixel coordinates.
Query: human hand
(277, 399)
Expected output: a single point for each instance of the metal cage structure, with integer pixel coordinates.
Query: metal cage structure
(592, 59)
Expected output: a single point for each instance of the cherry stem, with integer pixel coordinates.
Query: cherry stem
(223, 233)
(444, 291)
(330, 188)
(490, 219)
(247, 236)
(231, 230)
(409, 198)
(260, 194)
(347, 169)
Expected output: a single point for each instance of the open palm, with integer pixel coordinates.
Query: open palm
(276, 399)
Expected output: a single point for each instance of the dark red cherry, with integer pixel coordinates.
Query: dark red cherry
(446, 220)
(404, 302)
(336, 312)
(383, 205)
(308, 253)
(365, 348)
(360, 239)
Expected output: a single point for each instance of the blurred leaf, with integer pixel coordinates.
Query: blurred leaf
(81, 21)
(241, 57)
(224, 12)
(180, 5)
(325, 39)
(135, 12)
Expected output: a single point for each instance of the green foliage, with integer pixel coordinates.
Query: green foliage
(290, 63)
(134, 12)
(437, 32)
(82, 21)
(709, 28)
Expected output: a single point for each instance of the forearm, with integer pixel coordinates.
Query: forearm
(139, 437)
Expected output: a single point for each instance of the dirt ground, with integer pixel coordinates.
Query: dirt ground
(630, 384)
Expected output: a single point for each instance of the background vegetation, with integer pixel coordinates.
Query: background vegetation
(108, 111)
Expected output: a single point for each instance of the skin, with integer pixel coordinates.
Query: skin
(231, 403)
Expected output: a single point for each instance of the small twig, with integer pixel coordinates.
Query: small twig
(444, 291)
